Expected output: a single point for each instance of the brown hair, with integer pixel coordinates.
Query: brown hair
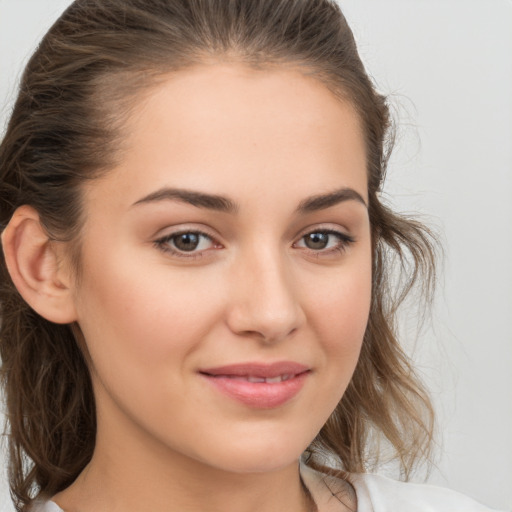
(65, 128)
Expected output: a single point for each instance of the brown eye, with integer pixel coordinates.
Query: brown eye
(317, 241)
(186, 241)
(325, 242)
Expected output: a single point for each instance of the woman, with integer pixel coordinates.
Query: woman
(195, 287)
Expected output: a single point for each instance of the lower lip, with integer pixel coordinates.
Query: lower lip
(259, 395)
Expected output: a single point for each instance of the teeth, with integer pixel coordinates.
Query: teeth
(256, 379)
(259, 380)
(269, 380)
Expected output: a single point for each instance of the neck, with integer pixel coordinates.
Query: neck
(98, 490)
(129, 473)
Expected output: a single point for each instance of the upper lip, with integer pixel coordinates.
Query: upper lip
(263, 370)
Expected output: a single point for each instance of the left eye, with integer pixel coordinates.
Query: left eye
(188, 241)
(322, 240)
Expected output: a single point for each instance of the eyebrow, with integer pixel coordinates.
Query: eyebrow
(226, 205)
(323, 201)
(198, 199)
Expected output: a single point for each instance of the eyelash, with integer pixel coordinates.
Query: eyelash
(344, 241)
(163, 243)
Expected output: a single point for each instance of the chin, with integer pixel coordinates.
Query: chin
(263, 457)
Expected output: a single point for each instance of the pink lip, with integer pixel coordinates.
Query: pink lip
(232, 380)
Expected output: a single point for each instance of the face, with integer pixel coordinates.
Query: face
(226, 268)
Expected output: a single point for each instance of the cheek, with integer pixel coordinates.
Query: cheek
(339, 316)
(343, 306)
(141, 316)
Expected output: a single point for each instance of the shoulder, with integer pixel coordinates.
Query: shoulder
(45, 506)
(377, 493)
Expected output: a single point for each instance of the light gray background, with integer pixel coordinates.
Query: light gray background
(448, 66)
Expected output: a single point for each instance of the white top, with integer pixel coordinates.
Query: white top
(374, 493)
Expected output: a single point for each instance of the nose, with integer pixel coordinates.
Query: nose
(265, 301)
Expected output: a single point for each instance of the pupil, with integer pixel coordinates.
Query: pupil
(317, 240)
(187, 241)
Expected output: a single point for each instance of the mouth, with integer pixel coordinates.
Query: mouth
(256, 379)
(256, 385)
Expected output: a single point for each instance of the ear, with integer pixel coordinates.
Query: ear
(35, 267)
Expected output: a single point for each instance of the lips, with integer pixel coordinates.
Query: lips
(256, 379)
(258, 385)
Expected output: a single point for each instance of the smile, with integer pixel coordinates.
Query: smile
(260, 386)
(256, 379)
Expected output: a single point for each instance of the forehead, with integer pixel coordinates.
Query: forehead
(228, 127)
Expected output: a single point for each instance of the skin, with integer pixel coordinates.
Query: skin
(254, 292)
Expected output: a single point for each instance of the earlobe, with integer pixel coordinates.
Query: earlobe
(33, 264)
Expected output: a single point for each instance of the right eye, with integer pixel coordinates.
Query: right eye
(186, 244)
